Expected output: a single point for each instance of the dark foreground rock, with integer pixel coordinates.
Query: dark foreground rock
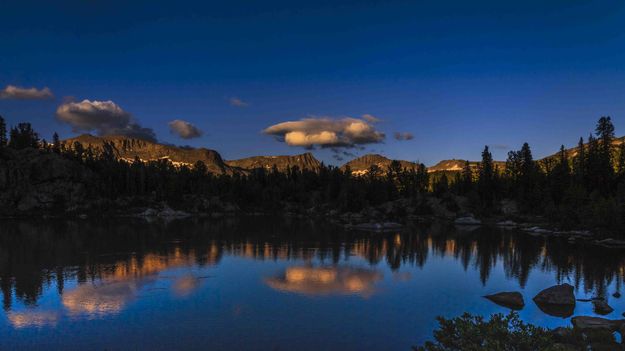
(586, 323)
(513, 300)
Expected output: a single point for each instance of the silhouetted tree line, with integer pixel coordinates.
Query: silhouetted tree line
(585, 187)
(260, 188)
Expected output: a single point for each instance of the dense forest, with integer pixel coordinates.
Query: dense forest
(583, 188)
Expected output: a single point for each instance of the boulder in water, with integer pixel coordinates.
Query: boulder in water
(601, 307)
(512, 300)
(558, 300)
(557, 295)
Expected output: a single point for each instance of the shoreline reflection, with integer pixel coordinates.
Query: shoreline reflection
(110, 261)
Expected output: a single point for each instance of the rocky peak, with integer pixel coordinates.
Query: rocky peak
(128, 149)
(303, 161)
(362, 164)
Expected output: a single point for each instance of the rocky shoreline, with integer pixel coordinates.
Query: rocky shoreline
(560, 301)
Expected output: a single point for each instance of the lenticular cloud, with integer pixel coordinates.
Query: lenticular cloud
(327, 132)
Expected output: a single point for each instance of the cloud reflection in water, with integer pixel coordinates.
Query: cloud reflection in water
(319, 281)
(33, 318)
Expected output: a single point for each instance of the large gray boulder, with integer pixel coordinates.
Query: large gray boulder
(558, 300)
(557, 295)
(512, 300)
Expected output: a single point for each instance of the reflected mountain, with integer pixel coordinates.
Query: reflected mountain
(326, 281)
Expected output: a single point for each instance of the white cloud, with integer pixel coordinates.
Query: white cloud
(401, 136)
(103, 117)
(235, 101)
(326, 132)
(184, 129)
(17, 93)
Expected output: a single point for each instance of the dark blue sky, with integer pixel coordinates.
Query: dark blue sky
(455, 74)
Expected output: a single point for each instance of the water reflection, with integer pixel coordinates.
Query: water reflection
(187, 285)
(33, 318)
(110, 262)
(101, 299)
(326, 280)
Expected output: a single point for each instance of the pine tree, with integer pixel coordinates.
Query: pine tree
(604, 168)
(422, 178)
(467, 177)
(441, 186)
(3, 133)
(486, 186)
(23, 136)
(620, 164)
(528, 167)
(592, 163)
(579, 166)
(605, 132)
(560, 177)
(56, 143)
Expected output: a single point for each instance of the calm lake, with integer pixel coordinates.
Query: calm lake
(272, 283)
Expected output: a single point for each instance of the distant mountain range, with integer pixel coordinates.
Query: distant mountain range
(128, 149)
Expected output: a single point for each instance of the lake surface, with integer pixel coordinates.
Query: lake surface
(271, 283)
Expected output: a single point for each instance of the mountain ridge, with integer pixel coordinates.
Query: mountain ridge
(361, 165)
(305, 161)
(128, 148)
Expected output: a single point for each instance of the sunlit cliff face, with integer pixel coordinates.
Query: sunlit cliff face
(327, 281)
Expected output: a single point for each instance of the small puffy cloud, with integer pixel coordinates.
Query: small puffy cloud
(235, 101)
(184, 129)
(401, 136)
(17, 93)
(103, 117)
(326, 132)
(370, 118)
